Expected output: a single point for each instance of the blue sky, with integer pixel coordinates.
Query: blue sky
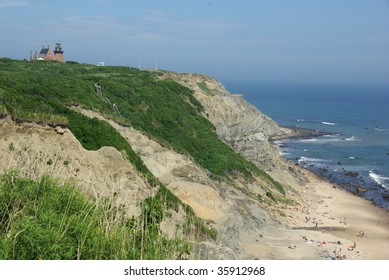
(331, 41)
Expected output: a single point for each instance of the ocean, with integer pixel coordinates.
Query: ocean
(354, 154)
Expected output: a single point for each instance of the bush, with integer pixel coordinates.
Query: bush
(46, 220)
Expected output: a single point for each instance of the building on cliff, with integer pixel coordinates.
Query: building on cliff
(47, 53)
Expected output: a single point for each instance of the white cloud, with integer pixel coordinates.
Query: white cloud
(13, 3)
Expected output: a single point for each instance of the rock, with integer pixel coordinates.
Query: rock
(361, 190)
(59, 130)
(351, 174)
(385, 195)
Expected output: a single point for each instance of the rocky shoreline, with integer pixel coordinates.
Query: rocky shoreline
(351, 181)
(293, 132)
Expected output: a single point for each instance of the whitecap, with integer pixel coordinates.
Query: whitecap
(328, 123)
(381, 180)
(300, 120)
(352, 138)
(380, 129)
(308, 159)
(351, 158)
(321, 140)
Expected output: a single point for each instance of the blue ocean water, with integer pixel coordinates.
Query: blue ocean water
(355, 153)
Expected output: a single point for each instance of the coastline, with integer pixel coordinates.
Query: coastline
(331, 222)
(294, 132)
(336, 215)
(348, 179)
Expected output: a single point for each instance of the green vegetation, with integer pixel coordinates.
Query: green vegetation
(156, 207)
(94, 134)
(2, 109)
(205, 88)
(11, 147)
(46, 220)
(163, 109)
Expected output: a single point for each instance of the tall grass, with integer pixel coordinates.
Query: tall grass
(47, 220)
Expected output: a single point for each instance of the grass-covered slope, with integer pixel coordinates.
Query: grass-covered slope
(42, 92)
(46, 220)
(164, 109)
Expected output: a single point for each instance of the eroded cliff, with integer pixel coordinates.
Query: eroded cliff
(243, 210)
(241, 125)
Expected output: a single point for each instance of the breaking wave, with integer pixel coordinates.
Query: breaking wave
(352, 138)
(312, 160)
(327, 139)
(328, 123)
(381, 180)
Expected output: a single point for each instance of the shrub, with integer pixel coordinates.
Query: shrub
(46, 220)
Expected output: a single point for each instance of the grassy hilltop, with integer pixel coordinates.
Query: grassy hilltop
(166, 111)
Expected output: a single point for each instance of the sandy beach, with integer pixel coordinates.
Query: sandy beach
(335, 224)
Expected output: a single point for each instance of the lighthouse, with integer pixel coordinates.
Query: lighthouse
(58, 52)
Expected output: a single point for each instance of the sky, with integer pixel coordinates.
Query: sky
(330, 41)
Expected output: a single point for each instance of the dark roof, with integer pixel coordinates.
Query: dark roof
(44, 51)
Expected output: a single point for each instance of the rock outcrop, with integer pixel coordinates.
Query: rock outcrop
(241, 125)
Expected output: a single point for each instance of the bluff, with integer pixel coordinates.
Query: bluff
(130, 135)
(241, 125)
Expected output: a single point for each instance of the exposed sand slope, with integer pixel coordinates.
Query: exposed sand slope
(239, 219)
(39, 149)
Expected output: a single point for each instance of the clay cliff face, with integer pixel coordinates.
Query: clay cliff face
(232, 213)
(237, 122)
(247, 227)
(36, 149)
(241, 125)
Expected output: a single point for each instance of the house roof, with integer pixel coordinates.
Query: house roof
(44, 51)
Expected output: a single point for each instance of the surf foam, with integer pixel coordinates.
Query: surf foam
(381, 180)
(328, 123)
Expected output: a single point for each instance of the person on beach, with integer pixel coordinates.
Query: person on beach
(315, 222)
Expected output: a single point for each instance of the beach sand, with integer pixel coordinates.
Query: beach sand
(336, 225)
